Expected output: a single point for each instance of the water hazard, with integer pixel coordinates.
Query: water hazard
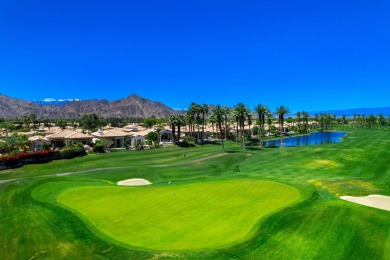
(311, 139)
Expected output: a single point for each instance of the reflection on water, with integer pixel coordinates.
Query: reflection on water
(311, 139)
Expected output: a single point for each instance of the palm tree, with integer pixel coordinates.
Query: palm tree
(198, 111)
(23, 143)
(219, 113)
(371, 120)
(298, 115)
(26, 122)
(180, 121)
(171, 120)
(7, 127)
(281, 112)
(269, 121)
(205, 110)
(33, 118)
(241, 112)
(261, 111)
(191, 118)
(212, 120)
(305, 117)
(226, 113)
(381, 119)
(11, 142)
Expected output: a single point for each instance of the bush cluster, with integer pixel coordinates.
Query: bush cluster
(72, 151)
(20, 159)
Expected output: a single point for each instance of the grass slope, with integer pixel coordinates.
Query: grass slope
(320, 226)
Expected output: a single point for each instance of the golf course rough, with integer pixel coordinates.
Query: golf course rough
(193, 216)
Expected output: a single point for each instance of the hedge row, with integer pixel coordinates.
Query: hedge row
(21, 159)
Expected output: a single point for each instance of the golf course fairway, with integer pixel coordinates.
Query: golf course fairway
(191, 216)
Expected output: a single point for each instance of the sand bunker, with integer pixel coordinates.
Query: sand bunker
(134, 182)
(375, 201)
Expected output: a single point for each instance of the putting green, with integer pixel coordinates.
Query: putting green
(179, 217)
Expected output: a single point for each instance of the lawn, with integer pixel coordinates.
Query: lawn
(177, 217)
(270, 203)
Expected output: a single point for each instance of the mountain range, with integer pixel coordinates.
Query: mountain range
(131, 107)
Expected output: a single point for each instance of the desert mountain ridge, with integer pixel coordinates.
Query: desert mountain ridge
(131, 107)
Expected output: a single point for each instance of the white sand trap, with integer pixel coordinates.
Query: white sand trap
(375, 201)
(134, 182)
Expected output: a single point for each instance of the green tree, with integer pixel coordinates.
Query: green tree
(61, 123)
(149, 122)
(91, 122)
(153, 136)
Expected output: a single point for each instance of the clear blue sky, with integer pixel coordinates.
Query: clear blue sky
(306, 55)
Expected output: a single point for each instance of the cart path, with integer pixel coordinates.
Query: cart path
(118, 167)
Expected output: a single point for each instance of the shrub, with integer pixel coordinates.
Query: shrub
(20, 159)
(45, 146)
(72, 150)
(98, 148)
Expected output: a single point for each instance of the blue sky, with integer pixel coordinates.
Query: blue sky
(306, 55)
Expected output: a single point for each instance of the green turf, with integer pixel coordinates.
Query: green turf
(320, 226)
(192, 216)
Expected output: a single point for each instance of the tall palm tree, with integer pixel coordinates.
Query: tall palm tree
(180, 121)
(205, 110)
(191, 116)
(226, 113)
(381, 119)
(241, 112)
(171, 120)
(269, 121)
(281, 112)
(261, 111)
(212, 120)
(371, 120)
(198, 111)
(219, 113)
(305, 117)
(298, 115)
(26, 121)
(33, 118)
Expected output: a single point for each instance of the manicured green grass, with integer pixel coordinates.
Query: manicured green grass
(179, 217)
(320, 225)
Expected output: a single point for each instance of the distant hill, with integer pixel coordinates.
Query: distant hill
(356, 111)
(132, 106)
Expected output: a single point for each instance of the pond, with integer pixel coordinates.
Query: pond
(311, 139)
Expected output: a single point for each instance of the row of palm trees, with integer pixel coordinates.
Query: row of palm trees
(219, 116)
(195, 119)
